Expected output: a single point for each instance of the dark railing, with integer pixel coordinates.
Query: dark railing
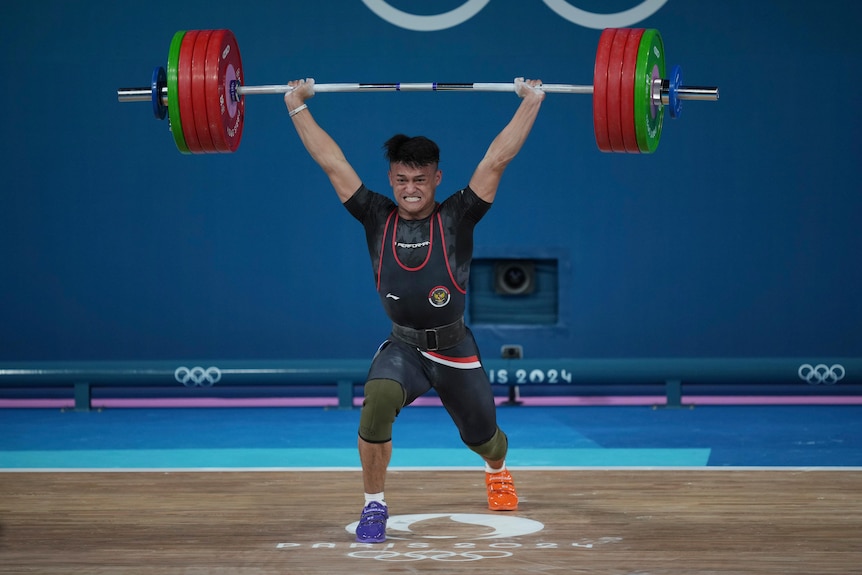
(344, 374)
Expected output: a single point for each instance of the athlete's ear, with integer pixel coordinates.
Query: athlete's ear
(438, 177)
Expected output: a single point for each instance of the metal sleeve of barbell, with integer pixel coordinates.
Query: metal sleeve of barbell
(135, 94)
(709, 93)
(414, 87)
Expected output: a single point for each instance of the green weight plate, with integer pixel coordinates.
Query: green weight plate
(173, 92)
(650, 66)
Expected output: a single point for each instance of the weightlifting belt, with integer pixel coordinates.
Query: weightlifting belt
(442, 337)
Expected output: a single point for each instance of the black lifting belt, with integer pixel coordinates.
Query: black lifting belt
(442, 337)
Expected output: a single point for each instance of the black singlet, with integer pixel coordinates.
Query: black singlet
(421, 267)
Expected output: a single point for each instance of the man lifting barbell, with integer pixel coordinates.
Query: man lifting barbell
(421, 251)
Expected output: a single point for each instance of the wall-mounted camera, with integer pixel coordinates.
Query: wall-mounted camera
(514, 291)
(515, 277)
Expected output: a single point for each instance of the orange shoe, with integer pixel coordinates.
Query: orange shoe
(501, 491)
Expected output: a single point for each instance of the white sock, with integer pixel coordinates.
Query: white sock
(490, 469)
(378, 497)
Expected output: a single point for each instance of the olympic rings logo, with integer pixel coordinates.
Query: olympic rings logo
(821, 373)
(197, 376)
(433, 554)
(470, 8)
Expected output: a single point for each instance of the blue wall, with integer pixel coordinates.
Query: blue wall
(739, 237)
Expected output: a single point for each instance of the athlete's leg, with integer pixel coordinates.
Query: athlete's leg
(394, 380)
(474, 412)
(469, 399)
(383, 401)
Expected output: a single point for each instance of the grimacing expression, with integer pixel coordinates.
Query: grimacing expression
(414, 189)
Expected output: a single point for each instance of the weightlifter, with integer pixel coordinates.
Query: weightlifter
(421, 252)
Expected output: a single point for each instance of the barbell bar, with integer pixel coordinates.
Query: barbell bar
(683, 92)
(203, 96)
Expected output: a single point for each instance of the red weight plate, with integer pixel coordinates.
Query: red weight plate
(627, 91)
(615, 70)
(199, 95)
(224, 65)
(184, 87)
(600, 89)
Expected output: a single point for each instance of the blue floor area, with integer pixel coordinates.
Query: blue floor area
(745, 436)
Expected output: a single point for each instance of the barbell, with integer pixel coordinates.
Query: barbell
(203, 96)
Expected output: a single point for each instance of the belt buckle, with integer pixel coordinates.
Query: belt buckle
(431, 336)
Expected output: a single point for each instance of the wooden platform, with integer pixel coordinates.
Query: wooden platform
(614, 522)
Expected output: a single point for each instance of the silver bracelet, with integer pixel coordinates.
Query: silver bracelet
(298, 110)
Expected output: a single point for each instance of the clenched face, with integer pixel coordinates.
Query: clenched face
(414, 189)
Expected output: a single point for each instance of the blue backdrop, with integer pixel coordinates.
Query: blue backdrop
(738, 237)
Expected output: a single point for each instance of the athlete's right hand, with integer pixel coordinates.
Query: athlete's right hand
(302, 91)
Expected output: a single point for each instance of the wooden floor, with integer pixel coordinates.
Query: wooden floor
(614, 522)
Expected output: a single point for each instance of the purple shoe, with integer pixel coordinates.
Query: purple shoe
(372, 524)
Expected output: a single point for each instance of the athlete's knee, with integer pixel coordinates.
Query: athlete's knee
(495, 448)
(383, 401)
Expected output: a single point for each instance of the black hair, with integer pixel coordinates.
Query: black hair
(414, 152)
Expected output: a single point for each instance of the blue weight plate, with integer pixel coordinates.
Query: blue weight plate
(674, 103)
(160, 80)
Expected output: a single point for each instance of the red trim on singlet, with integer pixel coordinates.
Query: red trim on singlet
(430, 245)
(427, 256)
(469, 359)
(446, 257)
(471, 362)
(383, 246)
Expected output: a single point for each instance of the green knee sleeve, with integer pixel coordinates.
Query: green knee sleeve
(384, 399)
(495, 448)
